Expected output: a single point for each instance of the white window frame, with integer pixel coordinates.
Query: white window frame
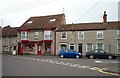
(65, 35)
(87, 46)
(79, 34)
(72, 45)
(118, 48)
(36, 34)
(26, 35)
(118, 33)
(48, 33)
(102, 45)
(102, 34)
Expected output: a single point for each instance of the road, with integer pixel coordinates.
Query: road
(53, 66)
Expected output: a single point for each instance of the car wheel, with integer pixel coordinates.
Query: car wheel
(77, 56)
(61, 56)
(91, 56)
(110, 57)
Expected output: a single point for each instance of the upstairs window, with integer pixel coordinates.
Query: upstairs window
(63, 35)
(24, 35)
(99, 34)
(36, 34)
(47, 35)
(80, 35)
(118, 34)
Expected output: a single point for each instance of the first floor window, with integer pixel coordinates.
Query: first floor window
(118, 48)
(72, 46)
(63, 35)
(36, 34)
(47, 35)
(24, 35)
(99, 34)
(89, 47)
(80, 35)
(100, 46)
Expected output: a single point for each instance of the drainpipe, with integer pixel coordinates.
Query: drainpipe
(55, 43)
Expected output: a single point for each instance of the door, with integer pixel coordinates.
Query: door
(19, 46)
(80, 48)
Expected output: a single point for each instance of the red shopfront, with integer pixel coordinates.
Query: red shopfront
(30, 47)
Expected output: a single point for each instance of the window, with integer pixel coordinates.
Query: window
(24, 35)
(100, 46)
(89, 47)
(30, 22)
(63, 35)
(118, 47)
(80, 35)
(52, 20)
(47, 35)
(36, 34)
(5, 48)
(6, 39)
(72, 46)
(99, 34)
(28, 47)
(118, 34)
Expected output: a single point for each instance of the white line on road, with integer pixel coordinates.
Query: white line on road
(106, 62)
(94, 68)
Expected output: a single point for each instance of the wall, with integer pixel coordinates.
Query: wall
(110, 36)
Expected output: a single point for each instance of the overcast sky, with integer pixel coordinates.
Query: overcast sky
(16, 12)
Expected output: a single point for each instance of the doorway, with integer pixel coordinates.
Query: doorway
(80, 48)
(19, 46)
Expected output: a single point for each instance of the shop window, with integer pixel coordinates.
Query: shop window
(29, 47)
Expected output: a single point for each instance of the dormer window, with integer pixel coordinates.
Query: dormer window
(52, 20)
(30, 22)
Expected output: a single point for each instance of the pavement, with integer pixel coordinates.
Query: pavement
(113, 69)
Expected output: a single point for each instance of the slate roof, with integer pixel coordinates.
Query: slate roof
(41, 22)
(9, 31)
(90, 26)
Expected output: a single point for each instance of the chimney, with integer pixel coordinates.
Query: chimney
(105, 17)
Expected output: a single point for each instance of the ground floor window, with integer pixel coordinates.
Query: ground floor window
(63, 46)
(72, 46)
(48, 47)
(5, 48)
(100, 46)
(29, 47)
(89, 47)
(118, 48)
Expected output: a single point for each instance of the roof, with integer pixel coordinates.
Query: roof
(90, 26)
(39, 22)
(9, 31)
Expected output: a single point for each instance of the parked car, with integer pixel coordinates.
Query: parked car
(99, 53)
(69, 53)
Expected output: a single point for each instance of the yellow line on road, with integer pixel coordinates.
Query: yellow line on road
(102, 71)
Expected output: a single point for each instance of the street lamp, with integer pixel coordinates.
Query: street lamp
(109, 47)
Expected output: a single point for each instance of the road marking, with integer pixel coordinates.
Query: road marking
(102, 71)
(38, 59)
(106, 62)
(42, 60)
(52, 61)
(94, 68)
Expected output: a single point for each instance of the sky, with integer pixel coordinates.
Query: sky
(16, 12)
